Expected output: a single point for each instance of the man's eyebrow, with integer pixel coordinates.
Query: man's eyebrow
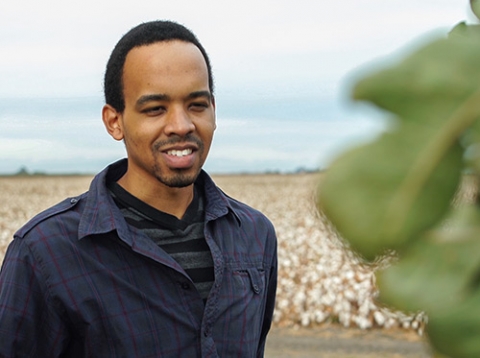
(198, 94)
(164, 97)
(151, 97)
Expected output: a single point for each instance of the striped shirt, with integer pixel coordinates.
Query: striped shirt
(79, 281)
(183, 239)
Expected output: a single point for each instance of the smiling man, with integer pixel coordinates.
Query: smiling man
(154, 260)
(167, 122)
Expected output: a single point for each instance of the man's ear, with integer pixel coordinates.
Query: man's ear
(214, 111)
(112, 121)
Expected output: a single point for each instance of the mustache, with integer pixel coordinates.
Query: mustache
(176, 139)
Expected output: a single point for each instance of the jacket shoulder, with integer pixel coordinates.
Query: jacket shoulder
(247, 213)
(62, 207)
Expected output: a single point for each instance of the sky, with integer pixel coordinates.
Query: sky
(283, 71)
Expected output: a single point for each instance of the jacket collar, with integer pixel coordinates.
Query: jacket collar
(218, 203)
(101, 214)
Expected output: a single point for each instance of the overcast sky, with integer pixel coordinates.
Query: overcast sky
(265, 50)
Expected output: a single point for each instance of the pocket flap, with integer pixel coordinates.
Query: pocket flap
(255, 280)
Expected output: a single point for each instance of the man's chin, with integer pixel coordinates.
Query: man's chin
(179, 180)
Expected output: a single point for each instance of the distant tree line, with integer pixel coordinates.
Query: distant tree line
(23, 171)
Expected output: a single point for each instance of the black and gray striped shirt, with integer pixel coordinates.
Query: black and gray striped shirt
(183, 239)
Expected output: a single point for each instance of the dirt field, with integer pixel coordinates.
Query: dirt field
(334, 341)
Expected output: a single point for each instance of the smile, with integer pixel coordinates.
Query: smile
(180, 153)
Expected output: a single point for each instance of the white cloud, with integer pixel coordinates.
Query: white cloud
(43, 43)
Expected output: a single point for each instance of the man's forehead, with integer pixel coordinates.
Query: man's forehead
(165, 50)
(163, 71)
(164, 59)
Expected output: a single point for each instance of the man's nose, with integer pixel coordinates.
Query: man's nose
(179, 122)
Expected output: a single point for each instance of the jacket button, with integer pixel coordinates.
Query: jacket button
(185, 285)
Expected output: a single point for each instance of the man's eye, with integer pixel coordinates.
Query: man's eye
(199, 105)
(152, 111)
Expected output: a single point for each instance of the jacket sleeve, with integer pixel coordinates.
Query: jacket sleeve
(270, 303)
(30, 324)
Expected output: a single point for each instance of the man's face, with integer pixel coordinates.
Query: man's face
(169, 115)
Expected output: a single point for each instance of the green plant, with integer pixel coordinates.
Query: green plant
(396, 192)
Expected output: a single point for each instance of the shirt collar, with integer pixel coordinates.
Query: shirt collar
(101, 214)
(218, 203)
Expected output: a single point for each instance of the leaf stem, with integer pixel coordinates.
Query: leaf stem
(427, 162)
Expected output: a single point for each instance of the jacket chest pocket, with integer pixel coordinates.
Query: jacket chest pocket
(247, 279)
(241, 308)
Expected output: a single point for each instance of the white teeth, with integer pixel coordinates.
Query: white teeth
(180, 153)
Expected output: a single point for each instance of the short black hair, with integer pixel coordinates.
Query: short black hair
(144, 34)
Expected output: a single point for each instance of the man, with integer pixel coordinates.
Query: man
(154, 260)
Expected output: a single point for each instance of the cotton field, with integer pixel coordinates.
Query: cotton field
(320, 279)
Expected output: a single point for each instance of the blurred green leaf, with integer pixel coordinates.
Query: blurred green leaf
(471, 143)
(464, 30)
(428, 86)
(439, 271)
(381, 195)
(455, 330)
(396, 192)
(475, 6)
(440, 275)
(384, 194)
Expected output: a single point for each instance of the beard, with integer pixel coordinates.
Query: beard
(178, 178)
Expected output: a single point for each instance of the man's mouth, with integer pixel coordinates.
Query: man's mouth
(179, 153)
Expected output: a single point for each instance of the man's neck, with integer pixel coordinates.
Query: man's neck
(173, 201)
